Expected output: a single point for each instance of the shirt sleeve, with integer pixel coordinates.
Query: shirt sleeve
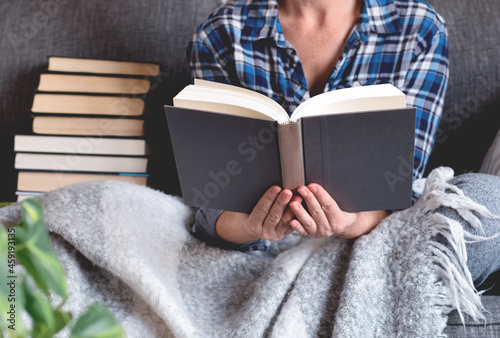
(204, 229)
(425, 86)
(210, 55)
(209, 59)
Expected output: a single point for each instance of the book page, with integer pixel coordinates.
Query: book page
(219, 107)
(246, 92)
(214, 97)
(350, 100)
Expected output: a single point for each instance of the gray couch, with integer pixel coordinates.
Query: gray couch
(157, 30)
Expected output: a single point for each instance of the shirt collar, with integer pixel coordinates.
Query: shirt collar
(379, 16)
(262, 22)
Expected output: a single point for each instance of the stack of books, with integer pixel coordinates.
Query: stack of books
(87, 125)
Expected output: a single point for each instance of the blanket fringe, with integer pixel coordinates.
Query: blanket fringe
(451, 265)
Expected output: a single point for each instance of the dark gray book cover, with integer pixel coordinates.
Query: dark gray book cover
(364, 160)
(223, 161)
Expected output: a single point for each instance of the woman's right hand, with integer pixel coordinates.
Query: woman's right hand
(270, 219)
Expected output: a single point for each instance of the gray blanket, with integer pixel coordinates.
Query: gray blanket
(129, 247)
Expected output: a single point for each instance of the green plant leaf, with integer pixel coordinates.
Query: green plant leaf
(38, 308)
(21, 331)
(40, 330)
(11, 299)
(32, 213)
(97, 322)
(25, 258)
(62, 320)
(35, 252)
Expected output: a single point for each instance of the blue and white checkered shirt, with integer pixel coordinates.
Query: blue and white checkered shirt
(403, 42)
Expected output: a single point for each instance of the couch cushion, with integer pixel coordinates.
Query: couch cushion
(135, 30)
(471, 119)
(491, 162)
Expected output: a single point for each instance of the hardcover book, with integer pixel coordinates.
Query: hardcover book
(231, 144)
(46, 181)
(88, 124)
(100, 66)
(57, 103)
(81, 145)
(91, 126)
(80, 163)
(55, 82)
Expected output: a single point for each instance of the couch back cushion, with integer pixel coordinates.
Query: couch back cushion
(137, 30)
(472, 107)
(158, 30)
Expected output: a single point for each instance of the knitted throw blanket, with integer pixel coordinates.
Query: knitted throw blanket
(129, 248)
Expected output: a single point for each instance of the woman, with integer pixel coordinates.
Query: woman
(291, 50)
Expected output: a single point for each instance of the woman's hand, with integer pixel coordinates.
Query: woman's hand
(325, 218)
(270, 219)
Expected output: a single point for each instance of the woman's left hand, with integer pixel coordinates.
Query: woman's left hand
(325, 218)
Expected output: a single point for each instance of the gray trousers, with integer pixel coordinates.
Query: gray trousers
(483, 256)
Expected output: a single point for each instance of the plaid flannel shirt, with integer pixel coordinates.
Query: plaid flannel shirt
(403, 42)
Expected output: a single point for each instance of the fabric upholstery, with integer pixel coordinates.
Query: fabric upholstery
(491, 161)
(471, 114)
(135, 30)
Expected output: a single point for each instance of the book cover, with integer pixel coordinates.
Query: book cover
(223, 161)
(364, 159)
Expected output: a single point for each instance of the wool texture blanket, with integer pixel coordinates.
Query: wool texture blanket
(129, 247)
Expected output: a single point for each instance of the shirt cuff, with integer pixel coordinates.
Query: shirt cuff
(204, 230)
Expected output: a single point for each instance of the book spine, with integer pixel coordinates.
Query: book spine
(291, 155)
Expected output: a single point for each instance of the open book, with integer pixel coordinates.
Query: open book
(231, 144)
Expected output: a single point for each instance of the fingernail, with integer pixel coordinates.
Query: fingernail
(303, 192)
(313, 188)
(294, 206)
(285, 196)
(275, 190)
